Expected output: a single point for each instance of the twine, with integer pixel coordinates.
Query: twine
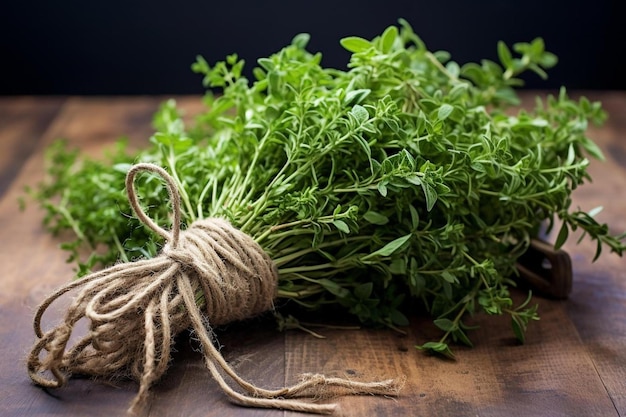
(135, 309)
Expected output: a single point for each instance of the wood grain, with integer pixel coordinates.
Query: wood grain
(573, 364)
(22, 123)
(597, 306)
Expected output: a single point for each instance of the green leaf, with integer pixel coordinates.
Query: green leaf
(460, 335)
(356, 96)
(360, 113)
(201, 66)
(393, 246)
(415, 217)
(444, 111)
(122, 167)
(232, 59)
(364, 145)
(341, 225)
(571, 155)
(398, 266)
(177, 142)
(562, 236)
(388, 38)
(364, 291)
(398, 318)
(440, 348)
(548, 60)
(355, 44)
(537, 47)
(595, 211)
(267, 64)
(593, 149)
(301, 40)
(430, 194)
(519, 329)
(382, 189)
(376, 218)
(273, 79)
(449, 277)
(446, 325)
(504, 54)
(333, 287)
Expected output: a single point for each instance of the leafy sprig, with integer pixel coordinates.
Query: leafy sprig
(406, 178)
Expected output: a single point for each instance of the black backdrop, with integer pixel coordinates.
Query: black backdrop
(147, 47)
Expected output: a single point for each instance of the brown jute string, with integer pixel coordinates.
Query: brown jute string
(135, 309)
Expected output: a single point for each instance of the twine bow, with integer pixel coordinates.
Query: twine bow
(135, 309)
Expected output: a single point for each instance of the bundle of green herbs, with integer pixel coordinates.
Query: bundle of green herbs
(405, 179)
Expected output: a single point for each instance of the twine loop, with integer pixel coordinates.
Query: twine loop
(182, 257)
(135, 309)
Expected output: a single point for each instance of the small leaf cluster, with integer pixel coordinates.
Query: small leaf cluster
(406, 179)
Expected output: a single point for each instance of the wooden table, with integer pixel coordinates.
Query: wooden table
(573, 364)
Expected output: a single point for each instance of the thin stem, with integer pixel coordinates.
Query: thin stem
(184, 196)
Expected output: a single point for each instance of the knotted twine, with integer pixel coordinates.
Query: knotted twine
(135, 309)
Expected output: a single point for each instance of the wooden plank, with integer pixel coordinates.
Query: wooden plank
(30, 272)
(22, 123)
(254, 349)
(597, 308)
(597, 305)
(551, 374)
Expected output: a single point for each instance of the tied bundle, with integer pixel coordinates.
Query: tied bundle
(135, 309)
(406, 181)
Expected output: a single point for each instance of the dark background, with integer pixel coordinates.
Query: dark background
(147, 47)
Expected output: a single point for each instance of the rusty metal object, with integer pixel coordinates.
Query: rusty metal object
(547, 271)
